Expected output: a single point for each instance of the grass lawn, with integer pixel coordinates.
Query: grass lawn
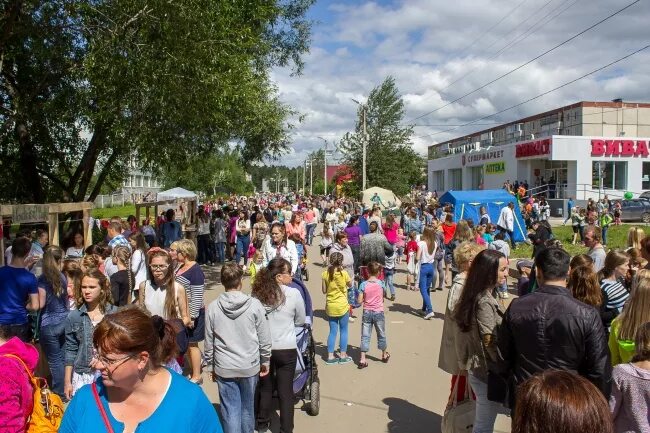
(616, 238)
(108, 212)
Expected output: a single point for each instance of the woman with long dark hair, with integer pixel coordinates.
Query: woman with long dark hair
(478, 314)
(285, 310)
(426, 257)
(53, 299)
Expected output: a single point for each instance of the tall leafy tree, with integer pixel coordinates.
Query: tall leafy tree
(391, 162)
(87, 86)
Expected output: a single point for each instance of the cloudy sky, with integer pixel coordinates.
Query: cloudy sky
(440, 50)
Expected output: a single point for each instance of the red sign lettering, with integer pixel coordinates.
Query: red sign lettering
(625, 148)
(534, 148)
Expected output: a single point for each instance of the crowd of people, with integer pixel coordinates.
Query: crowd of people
(120, 322)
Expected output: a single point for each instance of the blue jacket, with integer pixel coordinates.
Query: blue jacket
(363, 225)
(79, 339)
(170, 231)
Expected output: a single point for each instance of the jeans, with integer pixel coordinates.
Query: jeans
(604, 232)
(439, 264)
(311, 228)
(486, 410)
(389, 274)
(503, 287)
(370, 319)
(237, 403)
(356, 256)
(426, 278)
(203, 246)
(283, 367)
(336, 324)
(221, 251)
(511, 235)
(243, 241)
(52, 339)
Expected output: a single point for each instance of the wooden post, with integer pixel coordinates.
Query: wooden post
(88, 231)
(53, 228)
(137, 215)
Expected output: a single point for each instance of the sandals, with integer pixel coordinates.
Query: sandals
(385, 359)
(362, 365)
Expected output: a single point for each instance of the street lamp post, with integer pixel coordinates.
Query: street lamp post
(324, 166)
(365, 142)
(311, 175)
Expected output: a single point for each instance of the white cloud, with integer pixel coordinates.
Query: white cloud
(424, 45)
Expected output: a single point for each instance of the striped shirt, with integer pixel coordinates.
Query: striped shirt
(193, 280)
(616, 295)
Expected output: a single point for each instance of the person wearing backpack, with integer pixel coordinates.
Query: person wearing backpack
(16, 394)
(20, 412)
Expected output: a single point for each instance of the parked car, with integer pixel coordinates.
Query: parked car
(645, 195)
(635, 210)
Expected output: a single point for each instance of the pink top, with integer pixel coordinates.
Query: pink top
(391, 232)
(16, 392)
(373, 295)
(300, 229)
(309, 216)
(479, 240)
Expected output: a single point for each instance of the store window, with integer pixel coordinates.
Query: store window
(477, 177)
(609, 175)
(456, 179)
(438, 178)
(645, 179)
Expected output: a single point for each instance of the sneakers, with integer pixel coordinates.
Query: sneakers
(392, 297)
(345, 360)
(351, 319)
(430, 316)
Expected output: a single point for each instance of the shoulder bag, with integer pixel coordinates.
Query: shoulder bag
(101, 409)
(459, 416)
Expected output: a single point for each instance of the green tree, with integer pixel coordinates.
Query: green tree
(215, 173)
(88, 85)
(391, 162)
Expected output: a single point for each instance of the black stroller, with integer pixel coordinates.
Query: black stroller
(306, 385)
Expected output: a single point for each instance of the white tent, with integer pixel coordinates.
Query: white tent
(388, 198)
(175, 193)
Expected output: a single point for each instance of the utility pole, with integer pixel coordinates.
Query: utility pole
(311, 175)
(304, 168)
(364, 108)
(324, 166)
(297, 170)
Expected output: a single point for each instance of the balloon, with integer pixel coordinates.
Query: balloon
(628, 195)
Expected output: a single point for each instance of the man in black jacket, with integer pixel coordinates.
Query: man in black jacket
(549, 329)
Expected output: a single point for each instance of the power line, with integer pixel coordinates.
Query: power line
(503, 123)
(529, 61)
(496, 53)
(542, 94)
(506, 16)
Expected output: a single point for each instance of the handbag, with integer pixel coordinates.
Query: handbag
(459, 416)
(101, 409)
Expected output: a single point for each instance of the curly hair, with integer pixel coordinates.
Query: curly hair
(265, 287)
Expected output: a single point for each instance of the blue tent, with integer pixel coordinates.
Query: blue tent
(467, 205)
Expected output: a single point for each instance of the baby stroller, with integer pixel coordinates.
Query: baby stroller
(306, 385)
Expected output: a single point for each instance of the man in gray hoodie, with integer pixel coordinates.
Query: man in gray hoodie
(238, 350)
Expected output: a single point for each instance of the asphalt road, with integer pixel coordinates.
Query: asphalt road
(406, 395)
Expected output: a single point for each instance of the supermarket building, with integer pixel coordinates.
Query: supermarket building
(579, 150)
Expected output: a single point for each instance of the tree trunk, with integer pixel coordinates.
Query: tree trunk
(29, 172)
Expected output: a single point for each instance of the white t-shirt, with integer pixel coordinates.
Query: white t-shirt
(425, 257)
(139, 267)
(154, 300)
(74, 252)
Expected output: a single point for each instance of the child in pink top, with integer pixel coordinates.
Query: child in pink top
(371, 294)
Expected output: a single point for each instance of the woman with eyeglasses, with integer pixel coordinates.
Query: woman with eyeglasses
(285, 310)
(135, 391)
(162, 295)
(277, 245)
(93, 301)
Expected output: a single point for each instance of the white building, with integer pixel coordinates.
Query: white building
(568, 146)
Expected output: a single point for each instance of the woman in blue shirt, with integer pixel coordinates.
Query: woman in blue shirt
(53, 299)
(135, 392)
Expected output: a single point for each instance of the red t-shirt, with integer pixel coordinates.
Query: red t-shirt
(448, 230)
(411, 247)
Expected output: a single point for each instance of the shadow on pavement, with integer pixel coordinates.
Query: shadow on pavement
(406, 417)
(407, 309)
